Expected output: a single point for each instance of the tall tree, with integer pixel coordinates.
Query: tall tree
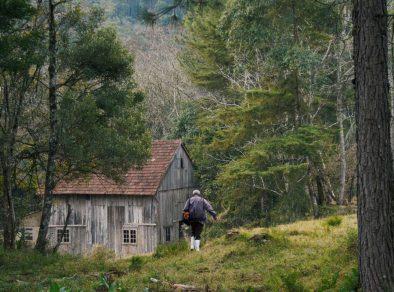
(374, 167)
(96, 120)
(275, 52)
(53, 135)
(18, 69)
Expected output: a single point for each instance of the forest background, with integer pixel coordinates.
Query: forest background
(261, 92)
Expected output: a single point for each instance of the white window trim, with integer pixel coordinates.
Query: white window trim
(30, 229)
(136, 235)
(69, 235)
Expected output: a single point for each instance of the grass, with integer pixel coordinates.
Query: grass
(302, 256)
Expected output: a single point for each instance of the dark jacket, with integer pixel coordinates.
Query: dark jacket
(197, 206)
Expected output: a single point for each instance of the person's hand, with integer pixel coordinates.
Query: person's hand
(215, 218)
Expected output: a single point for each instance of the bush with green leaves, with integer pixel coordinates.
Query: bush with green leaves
(333, 221)
(136, 263)
(170, 249)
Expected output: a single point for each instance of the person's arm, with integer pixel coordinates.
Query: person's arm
(187, 205)
(208, 207)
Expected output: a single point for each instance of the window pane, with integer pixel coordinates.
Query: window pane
(28, 233)
(133, 236)
(66, 236)
(126, 236)
(59, 234)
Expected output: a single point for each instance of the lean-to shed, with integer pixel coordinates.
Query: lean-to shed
(131, 218)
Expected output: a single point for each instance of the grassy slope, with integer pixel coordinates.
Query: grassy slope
(303, 256)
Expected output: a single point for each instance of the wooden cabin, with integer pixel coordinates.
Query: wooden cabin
(31, 225)
(131, 218)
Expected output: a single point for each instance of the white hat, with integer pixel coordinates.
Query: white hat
(196, 192)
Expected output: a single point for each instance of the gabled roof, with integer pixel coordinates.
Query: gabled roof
(145, 181)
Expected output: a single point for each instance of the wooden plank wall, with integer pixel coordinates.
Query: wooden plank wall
(176, 187)
(99, 220)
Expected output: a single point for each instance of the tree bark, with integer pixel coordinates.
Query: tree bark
(9, 212)
(53, 135)
(392, 84)
(60, 239)
(342, 148)
(374, 165)
(13, 97)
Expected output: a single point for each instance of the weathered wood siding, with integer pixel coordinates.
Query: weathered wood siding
(100, 220)
(32, 221)
(174, 190)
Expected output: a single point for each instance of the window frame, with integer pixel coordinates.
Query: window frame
(28, 231)
(132, 240)
(67, 235)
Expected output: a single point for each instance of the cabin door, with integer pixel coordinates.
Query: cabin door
(115, 220)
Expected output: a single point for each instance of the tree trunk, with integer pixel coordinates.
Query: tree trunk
(13, 102)
(313, 198)
(374, 164)
(60, 239)
(9, 213)
(342, 148)
(391, 87)
(53, 135)
(295, 73)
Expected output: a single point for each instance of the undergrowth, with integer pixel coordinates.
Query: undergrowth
(303, 256)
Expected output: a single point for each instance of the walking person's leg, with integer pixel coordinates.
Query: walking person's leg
(197, 235)
(192, 239)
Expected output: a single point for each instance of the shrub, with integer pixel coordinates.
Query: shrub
(101, 253)
(54, 287)
(328, 281)
(136, 263)
(350, 282)
(291, 283)
(333, 221)
(107, 284)
(215, 230)
(351, 241)
(168, 249)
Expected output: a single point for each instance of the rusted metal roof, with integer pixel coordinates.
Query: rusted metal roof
(145, 181)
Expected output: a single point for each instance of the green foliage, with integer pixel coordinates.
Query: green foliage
(351, 282)
(110, 286)
(102, 254)
(309, 256)
(174, 248)
(328, 281)
(12, 12)
(351, 242)
(205, 48)
(215, 230)
(291, 282)
(333, 221)
(136, 263)
(101, 127)
(261, 146)
(54, 287)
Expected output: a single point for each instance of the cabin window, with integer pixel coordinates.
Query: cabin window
(181, 162)
(167, 232)
(28, 233)
(130, 236)
(66, 236)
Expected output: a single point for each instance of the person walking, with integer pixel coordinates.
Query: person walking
(196, 206)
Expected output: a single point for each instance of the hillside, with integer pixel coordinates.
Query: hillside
(308, 255)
